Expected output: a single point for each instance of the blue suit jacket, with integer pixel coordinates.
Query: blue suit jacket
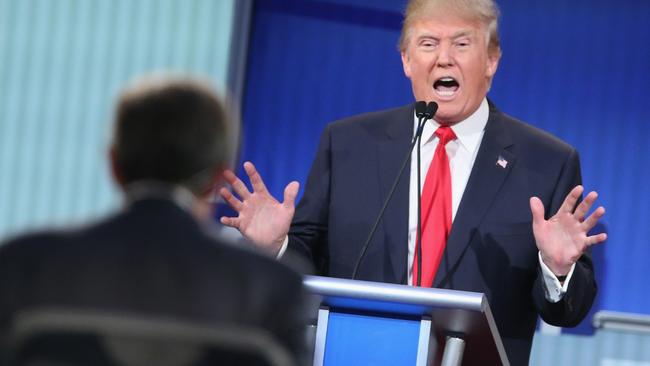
(491, 248)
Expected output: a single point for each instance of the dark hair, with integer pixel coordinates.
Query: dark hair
(171, 131)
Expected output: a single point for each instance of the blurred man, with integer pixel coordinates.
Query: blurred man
(172, 142)
(489, 181)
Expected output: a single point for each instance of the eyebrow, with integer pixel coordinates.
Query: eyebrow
(459, 34)
(463, 33)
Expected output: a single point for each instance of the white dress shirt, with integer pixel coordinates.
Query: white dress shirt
(462, 154)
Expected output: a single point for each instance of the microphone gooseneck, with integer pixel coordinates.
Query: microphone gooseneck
(430, 110)
(423, 112)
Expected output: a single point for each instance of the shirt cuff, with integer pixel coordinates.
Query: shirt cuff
(285, 245)
(553, 289)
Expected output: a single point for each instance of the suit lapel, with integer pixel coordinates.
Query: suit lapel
(391, 153)
(486, 178)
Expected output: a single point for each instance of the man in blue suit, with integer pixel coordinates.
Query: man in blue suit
(520, 228)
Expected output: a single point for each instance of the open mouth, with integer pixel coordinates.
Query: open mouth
(446, 86)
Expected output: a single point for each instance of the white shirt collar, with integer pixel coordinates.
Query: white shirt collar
(468, 131)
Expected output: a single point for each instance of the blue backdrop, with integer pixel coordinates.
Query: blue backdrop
(578, 69)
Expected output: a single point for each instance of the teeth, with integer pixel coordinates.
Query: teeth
(446, 87)
(445, 93)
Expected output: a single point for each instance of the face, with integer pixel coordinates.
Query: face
(447, 61)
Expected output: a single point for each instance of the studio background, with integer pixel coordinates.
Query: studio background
(579, 69)
(62, 65)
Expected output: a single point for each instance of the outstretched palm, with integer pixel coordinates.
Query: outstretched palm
(563, 238)
(261, 218)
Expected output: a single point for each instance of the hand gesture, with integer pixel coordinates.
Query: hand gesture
(563, 238)
(261, 218)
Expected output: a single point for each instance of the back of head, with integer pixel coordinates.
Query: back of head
(173, 131)
(484, 11)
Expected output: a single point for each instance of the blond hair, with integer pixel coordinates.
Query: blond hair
(485, 11)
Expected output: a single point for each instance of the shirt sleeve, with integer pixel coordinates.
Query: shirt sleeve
(283, 249)
(553, 289)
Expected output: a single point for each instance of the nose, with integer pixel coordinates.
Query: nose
(444, 56)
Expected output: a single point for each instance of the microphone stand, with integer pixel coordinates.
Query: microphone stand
(424, 112)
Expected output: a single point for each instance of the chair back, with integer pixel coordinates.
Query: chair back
(56, 337)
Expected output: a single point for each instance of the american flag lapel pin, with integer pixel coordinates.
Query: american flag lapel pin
(502, 162)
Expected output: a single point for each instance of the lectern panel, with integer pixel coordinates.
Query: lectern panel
(361, 339)
(370, 323)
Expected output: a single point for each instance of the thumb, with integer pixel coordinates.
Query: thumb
(290, 193)
(537, 209)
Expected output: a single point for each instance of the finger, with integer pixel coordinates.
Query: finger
(230, 221)
(237, 185)
(537, 209)
(236, 204)
(585, 206)
(592, 220)
(571, 199)
(595, 239)
(290, 193)
(254, 176)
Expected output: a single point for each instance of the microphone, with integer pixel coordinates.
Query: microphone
(430, 110)
(423, 112)
(420, 109)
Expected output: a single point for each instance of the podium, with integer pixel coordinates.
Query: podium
(372, 323)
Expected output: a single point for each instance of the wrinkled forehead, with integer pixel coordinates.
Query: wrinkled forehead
(445, 14)
(447, 27)
(450, 27)
(446, 9)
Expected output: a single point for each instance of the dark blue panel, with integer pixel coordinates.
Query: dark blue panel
(396, 6)
(391, 341)
(336, 12)
(578, 69)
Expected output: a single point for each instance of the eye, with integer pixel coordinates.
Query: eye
(463, 43)
(427, 43)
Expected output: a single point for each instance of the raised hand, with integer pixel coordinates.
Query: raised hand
(261, 218)
(563, 238)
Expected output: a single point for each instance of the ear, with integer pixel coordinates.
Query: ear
(216, 182)
(116, 172)
(406, 63)
(492, 63)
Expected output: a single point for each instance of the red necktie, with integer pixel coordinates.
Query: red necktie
(436, 210)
